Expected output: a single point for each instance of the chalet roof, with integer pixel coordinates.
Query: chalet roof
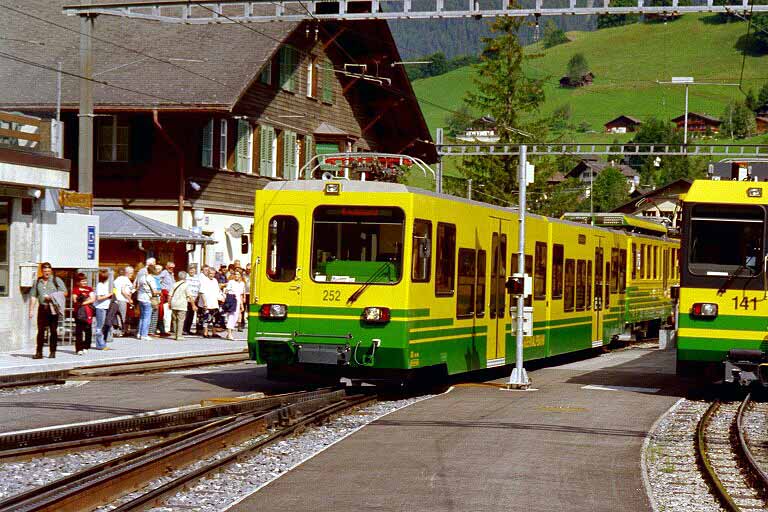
(662, 192)
(629, 118)
(118, 224)
(706, 117)
(329, 130)
(761, 118)
(598, 166)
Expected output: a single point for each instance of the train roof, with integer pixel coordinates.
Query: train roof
(727, 192)
(621, 220)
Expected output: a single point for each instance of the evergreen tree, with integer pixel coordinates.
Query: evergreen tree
(503, 91)
(751, 100)
(553, 35)
(609, 190)
(577, 67)
(738, 121)
(615, 20)
(762, 96)
(458, 121)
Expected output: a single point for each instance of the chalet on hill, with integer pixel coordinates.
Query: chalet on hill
(585, 79)
(761, 123)
(482, 129)
(589, 168)
(700, 123)
(622, 124)
(232, 111)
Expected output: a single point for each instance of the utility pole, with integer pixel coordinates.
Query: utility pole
(439, 143)
(519, 377)
(85, 124)
(469, 188)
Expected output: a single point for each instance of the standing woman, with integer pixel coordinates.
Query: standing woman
(235, 298)
(147, 293)
(153, 273)
(82, 298)
(103, 300)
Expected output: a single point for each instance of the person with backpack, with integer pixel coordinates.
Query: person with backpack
(83, 298)
(178, 301)
(47, 295)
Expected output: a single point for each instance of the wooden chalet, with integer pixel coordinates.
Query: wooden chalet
(698, 123)
(589, 168)
(761, 124)
(187, 136)
(622, 124)
(585, 79)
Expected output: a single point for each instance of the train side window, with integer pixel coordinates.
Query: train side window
(540, 272)
(465, 284)
(421, 252)
(641, 261)
(648, 265)
(634, 261)
(581, 284)
(655, 262)
(570, 281)
(480, 285)
(607, 305)
(557, 271)
(589, 285)
(282, 244)
(445, 267)
(614, 278)
(622, 270)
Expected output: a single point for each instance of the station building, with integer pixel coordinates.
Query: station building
(196, 118)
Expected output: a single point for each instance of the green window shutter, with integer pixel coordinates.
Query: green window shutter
(243, 149)
(328, 80)
(289, 60)
(267, 135)
(207, 145)
(309, 152)
(265, 76)
(289, 155)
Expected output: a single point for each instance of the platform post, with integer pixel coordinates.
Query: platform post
(439, 143)
(519, 377)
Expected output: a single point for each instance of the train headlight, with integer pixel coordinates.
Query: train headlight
(273, 311)
(376, 315)
(754, 192)
(704, 310)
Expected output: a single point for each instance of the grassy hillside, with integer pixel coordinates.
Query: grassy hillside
(626, 62)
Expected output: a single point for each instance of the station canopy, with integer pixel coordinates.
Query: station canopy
(119, 224)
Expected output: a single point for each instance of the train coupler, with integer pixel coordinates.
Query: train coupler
(746, 367)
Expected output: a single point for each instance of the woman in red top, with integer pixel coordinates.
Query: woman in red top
(82, 298)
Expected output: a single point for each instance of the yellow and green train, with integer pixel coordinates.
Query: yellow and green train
(723, 320)
(369, 279)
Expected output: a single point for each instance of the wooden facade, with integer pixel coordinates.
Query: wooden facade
(699, 123)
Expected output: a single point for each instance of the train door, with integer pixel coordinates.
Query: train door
(597, 325)
(497, 307)
(278, 272)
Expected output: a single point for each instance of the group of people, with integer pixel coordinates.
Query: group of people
(152, 299)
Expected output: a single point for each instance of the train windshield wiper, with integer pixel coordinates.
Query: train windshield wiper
(733, 276)
(379, 272)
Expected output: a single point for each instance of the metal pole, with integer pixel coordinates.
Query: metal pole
(519, 377)
(469, 188)
(85, 143)
(439, 143)
(58, 94)
(591, 206)
(685, 128)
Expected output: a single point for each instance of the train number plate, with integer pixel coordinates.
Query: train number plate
(744, 303)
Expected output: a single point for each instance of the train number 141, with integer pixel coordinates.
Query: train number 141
(745, 303)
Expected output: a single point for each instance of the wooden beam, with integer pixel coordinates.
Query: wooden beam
(382, 112)
(21, 119)
(16, 134)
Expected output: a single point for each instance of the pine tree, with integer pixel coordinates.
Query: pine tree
(504, 92)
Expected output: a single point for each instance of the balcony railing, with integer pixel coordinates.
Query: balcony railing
(20, 131)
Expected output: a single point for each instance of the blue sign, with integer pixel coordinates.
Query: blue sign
(91, 242)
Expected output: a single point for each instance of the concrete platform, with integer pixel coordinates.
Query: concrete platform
(121, 350)
(573, 445)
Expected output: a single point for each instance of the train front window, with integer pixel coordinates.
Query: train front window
(357, 244)
(726, 240)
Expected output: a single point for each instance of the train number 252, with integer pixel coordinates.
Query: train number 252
(745, 303)
(331, 295)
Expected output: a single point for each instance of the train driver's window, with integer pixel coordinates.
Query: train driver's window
(465, 284)
(581, 284)
(570, 281)
(421, 251)
(557, 271)
(641, 261)
(480, 288)
(622, 270)
(445, 266)
(540, 272)
(282, 242)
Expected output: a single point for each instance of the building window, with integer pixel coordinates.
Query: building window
(266, 154)
(328, 80)
(290, 156)
(445, 269)
(114, 140)
(421, 252)
(540, 272)
(570, 282)
(557, 271)
(465, 285)
(480, 288)
(244, 146)
(289, 64)
(5, 229)
(312, 77)
(223, 144)
(282, 244)
(265, 77)
(206, 145)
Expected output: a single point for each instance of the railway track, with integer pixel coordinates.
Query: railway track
(104, 483)
(733, 456)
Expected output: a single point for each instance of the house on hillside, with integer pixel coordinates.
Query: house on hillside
(232, 111)
(622, 124)
(482, 129)
(589, 168)
(586, 79)
(761, 124)
(661, 203)
(698, 123)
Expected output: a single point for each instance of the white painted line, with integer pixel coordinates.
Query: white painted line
(621, 388)
(492, 363)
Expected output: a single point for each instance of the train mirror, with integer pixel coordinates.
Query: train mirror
(244, 246)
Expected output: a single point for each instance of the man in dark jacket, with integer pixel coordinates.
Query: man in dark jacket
(47, 312)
